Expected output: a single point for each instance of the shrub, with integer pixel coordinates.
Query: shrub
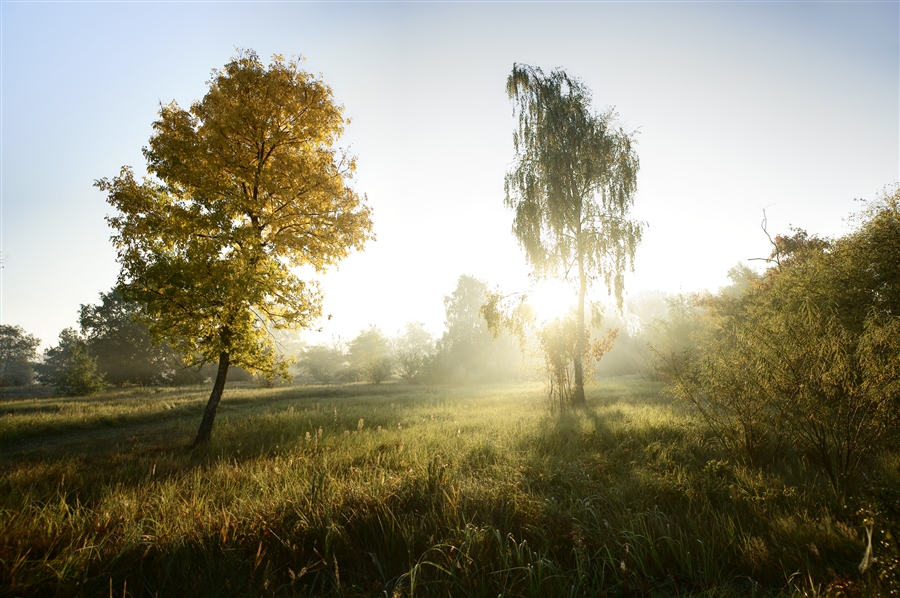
(70, 368)
(78, 376)
(809, 354)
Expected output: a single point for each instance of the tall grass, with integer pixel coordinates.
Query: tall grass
(405, 491)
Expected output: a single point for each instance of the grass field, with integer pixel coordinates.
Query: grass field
(399, 490)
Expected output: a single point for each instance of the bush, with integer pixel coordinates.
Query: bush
(70, 368)
(78, 376)
(808, 356)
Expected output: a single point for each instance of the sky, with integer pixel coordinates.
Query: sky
(738, 107)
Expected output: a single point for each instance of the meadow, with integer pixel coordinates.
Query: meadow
(400, 490)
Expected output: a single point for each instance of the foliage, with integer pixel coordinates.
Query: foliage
(714, 380)
(370, 356)
(122, 346)
(70, 367)
(629, 356)
(808, 356)
(186, 375)
(326, 363)
(468, 351)
(571, 187)
(557, 340)
(247, 187)
(55, 358)
(560, 344)
(413, 351)
(466, 332)
(678, 330)
(18, 352)
(79, 376)
(883, 517)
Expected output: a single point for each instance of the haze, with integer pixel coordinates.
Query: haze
(789, 107)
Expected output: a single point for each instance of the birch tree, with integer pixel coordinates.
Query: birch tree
(571, 188)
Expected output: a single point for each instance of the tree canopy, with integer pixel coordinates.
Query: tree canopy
(413, 349)
(468, 349)
(325, 363)
(70, 367)
(571, 187)
(122, 345)
(370, 355)
(18, 352)
(245, 186)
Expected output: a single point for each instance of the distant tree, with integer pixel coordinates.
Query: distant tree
(79, 376)
(122, 345)
(248, 186)
(18, 352)
(413, 349)
(571, 188)
(645, 307)
(325, 363)
(677, 333)
(196, 374)
(55, 357)
(70, 367)
(468, 350)
(370, 356)
(289, 343)
(466, 341)
(637, 324)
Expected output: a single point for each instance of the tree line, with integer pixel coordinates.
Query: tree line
(466, 352)
(110, 347)
(113, 347)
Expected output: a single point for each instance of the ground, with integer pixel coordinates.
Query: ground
(399, 490)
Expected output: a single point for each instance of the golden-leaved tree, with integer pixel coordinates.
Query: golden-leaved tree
(245, 186)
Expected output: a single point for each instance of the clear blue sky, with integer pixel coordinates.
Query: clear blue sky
(740, 106)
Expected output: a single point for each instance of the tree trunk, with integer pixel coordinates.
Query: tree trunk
(578, 394)
(209, 415)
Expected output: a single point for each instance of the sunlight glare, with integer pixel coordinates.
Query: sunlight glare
(552, 299)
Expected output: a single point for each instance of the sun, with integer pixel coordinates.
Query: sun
(552, 299)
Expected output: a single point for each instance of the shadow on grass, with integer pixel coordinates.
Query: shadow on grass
(615, 498)
(159, 411)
